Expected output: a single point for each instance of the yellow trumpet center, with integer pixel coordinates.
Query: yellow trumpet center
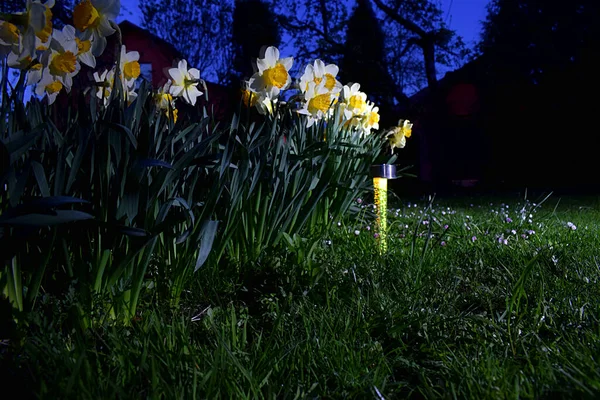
(9, 33)
(54, 87)
(36, 67)
(83, 46)
(373, 118)
(329, 81)
(249, 98)
(163, 100)
(276, 76)
(357, 102)
(131, 70)
(85, 16)
(63, 63)
(320, 102)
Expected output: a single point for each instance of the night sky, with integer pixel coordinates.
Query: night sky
(462, 15)
(465, 17)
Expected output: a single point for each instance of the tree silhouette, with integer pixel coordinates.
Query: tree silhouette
(424, 27)
(199, 29)
(318, 27)
(544, 51)
(254, 27)
(536, 39)
(364, 59)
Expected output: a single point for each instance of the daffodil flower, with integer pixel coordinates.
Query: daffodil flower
(84, 47)
(44, 34)
(36, 22)
(318, 102)
(163, 98)
(397, 136)
(41, 46)
(355, 100)
(371, 118)
(165, 102)
(10, 38)
(273, 73)
(130, 94)
(406, 127)
(250, 98)
(347, 117)
(129, 66)
(61, 58)
(318, 72)
(92, 18)
(48, 86)
(26, 63)
(184, 82)
(104, 82)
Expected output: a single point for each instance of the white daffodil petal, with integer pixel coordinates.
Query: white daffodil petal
(287, 62)
(262, 65)
(105, 28)
(37, 15)
(271, 56)
(194, 73)
(98, 45)
(177, 75)
(88, 59)
(34, 76)
(111, 8)
(191, 94)
(175, 90)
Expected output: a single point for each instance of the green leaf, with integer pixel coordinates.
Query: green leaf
(122, 129)
(36, 219)
(207, 237)
(40, 176)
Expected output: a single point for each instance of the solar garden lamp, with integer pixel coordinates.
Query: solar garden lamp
(381, 173)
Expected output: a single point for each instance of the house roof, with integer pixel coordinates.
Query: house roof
(471, 72)
(128, 26)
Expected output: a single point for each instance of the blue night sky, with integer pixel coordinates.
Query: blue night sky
(464, 16)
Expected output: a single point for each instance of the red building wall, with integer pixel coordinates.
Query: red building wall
(152, 49)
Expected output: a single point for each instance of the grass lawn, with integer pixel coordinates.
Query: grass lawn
(476, 298)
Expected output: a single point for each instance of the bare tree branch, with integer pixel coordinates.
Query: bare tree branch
(426, 42)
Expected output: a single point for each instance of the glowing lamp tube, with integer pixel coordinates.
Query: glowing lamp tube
(381, 174)
(380, 186)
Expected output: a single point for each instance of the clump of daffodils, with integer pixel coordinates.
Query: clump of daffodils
(183, 82)
(129, 69)
(51, 58)
(319, 90)
(272, 77)
(320, 95)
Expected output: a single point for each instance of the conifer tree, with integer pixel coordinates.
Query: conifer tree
(254, 27)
